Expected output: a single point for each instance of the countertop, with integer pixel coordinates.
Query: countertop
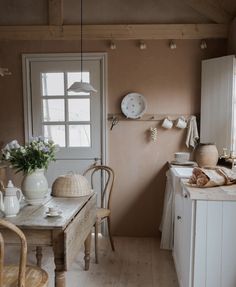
(219, 193)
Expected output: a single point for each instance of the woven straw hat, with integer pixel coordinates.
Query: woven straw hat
(71, 185)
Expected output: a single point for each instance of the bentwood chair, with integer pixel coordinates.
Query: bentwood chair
(103, 211)
(19, 275)
(1, 186)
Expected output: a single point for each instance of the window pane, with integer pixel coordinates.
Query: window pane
(53, 110)
(234, 131)
(79, 136)
(76, 77)
(79, 109)
(53, 84)
(234, 95)
(55, 133)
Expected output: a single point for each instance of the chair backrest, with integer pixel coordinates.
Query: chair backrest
(2, 188)
(23, 254)
(107, 177)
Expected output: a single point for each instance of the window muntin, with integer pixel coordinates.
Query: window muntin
(65, 115)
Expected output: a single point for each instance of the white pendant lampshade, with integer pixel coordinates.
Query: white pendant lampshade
(81, 86)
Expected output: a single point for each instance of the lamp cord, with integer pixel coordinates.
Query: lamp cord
(81, 36)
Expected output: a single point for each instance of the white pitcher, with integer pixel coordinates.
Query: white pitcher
(10, 204)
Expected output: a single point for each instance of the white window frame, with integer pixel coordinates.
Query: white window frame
(27, 59)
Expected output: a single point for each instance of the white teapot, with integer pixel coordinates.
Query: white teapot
(10, 204)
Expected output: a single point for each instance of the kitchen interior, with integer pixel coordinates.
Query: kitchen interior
(176, 59)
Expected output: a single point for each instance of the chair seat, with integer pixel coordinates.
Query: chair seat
(34, 276)
(102, 213)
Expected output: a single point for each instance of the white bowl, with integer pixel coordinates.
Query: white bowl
(182, 156)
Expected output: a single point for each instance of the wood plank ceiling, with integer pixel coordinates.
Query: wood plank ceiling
(182, 19)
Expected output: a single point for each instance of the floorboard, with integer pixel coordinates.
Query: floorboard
(137, 262)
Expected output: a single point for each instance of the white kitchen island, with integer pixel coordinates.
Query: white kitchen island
(205, 236)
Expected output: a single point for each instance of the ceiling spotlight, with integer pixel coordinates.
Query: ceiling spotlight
(142, 45)
(172, 45)
(4, 72)
(112, 45)
(203, 45)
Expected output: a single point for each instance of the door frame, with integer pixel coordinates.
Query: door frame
(27, 59)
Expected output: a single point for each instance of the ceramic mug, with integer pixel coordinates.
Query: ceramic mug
(181, 123)
(167, 124)
(52, 210)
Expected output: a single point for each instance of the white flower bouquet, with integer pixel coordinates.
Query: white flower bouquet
(36, 154)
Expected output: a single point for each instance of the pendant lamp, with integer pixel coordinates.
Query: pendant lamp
(81, 86)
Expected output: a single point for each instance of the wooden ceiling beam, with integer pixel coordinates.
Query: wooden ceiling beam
(115, 32)
(212, 11)
(55, 12)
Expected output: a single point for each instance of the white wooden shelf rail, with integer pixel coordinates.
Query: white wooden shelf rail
(148, 117)
(116, 118)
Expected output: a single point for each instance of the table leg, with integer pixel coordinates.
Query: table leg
(87, 247)
(39, 255)
(60, 279)
(59, 259)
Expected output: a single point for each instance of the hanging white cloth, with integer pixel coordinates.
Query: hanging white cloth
(167, 222)
(192, 133)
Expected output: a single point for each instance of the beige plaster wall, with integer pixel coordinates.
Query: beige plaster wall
(170, 81)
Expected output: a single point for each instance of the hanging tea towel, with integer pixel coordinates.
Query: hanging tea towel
(192, 133)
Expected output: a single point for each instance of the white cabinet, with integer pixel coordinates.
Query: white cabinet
(182, 238)
(214, 251)
(204, 242)
(218, 102)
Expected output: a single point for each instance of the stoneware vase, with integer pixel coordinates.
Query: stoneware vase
(35, 187)
(206, 154)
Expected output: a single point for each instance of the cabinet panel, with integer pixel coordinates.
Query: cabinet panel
(183, 238)
(214, 243)
(178, 237)
(217, 102)
(187, 241)
(215, 253)
(228, 278)
(200, 245)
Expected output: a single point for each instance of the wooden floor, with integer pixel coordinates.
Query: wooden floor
(137, 262)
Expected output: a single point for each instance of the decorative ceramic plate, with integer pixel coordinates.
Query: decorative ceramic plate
(133, 105)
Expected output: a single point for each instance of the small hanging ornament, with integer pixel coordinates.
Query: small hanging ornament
(153, 134)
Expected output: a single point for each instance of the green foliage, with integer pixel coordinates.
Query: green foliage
(37, 154)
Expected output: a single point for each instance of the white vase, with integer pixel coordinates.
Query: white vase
(35, 187)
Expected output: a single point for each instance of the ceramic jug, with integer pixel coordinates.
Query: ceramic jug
(10, 204)
(206, 154)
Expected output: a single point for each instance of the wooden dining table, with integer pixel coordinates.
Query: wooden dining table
(65, 233)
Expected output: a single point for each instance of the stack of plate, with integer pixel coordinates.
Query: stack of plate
(182, 158)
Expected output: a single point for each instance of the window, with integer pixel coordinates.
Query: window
(66, 115)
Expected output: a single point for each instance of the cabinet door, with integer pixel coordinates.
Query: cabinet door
(217, 102)
(183, 238)
(187, 241)
(215, 237)
(178, 236)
